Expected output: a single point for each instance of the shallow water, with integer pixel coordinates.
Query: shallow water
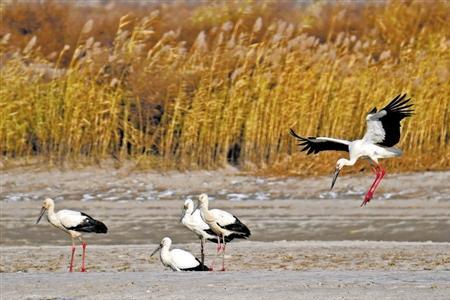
(142, 207)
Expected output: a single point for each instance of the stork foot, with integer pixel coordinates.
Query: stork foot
(223, 270)
(367, 198)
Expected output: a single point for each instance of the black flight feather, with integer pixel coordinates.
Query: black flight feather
(89, 224)
(314, 145)
(396, 110)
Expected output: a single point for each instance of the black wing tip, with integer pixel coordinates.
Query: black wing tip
(400, 105)
(304, 142)
(200, 267)
(241, 231)
(294, 134)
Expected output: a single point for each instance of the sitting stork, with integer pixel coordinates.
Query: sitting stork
(72, 223)
(178, 259)
(383, 132)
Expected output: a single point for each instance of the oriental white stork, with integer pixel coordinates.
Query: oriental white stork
(382, 133)
(194, 222)
(178, 259)
(222, 224)
(73, 223)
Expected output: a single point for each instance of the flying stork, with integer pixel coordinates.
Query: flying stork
(178, 259)
(222, 224)
(73, 223)
(382, 133)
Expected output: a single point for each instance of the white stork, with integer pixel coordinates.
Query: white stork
(73, 223)
(383, 132)
(222, 224)
(194, 222)
(178, 259)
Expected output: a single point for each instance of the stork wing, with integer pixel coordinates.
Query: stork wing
(183, 259)
(71, 219)
(383, 127)
(223, 218)
(317, 144)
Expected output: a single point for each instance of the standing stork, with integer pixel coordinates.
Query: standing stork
(178, 259)
(194, 222)
(224, 225)
(382, 133)
(73, 223)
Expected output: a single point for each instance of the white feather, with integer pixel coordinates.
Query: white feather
(196, 224)
(70, 218)
(325, 139)
(182, 259)
(375, 133)
(223, 218)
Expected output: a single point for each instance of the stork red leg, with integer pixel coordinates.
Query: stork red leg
(83, 268)
(219, 247)
(223, 254)
(369, 194)
(382, 173)
(71, 259)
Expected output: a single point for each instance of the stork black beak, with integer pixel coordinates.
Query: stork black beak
(183, 212)
(335, 176)
(156, 250)
(195, 208)
(41, 214)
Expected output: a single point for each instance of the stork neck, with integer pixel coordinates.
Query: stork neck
(350, 162)
(204, 207)
(51, 210)
(165, 254)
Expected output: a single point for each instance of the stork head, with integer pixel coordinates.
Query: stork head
(188, 208)
(339, 165)
(188, 205)
(165, 242)
(48, 203)
(202, 201)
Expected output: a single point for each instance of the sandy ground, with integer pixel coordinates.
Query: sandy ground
(306, 241)
(255, 270)
(231, 285)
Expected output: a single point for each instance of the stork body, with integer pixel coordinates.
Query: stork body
(224, 225)
(383, 132)
(74, 223)
(178, 259)
(194, 222)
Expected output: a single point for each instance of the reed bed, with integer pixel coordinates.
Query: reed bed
(224, 84)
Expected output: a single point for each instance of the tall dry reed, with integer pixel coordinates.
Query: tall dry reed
(230, 94)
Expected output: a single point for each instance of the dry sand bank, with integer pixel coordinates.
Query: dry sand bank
(247, 255)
